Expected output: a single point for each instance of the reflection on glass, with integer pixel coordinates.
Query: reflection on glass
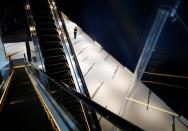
(4, 73)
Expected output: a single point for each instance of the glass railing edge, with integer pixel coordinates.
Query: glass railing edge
(5, 83)
(108, 115)
(74, 65)
(32, 28)
(61, 117)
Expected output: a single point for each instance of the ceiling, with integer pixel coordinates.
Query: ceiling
(13, 22)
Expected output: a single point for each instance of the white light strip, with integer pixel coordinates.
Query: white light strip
(154, 107)
(2, 84)
(164, 84)
(168, 75)
(18, 66)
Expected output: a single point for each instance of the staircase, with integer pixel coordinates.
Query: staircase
(54, 58)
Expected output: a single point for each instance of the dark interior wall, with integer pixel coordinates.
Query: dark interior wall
(171, 57)
(13, 23)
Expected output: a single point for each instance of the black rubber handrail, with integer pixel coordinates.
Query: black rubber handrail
(3, 88)
(110, 116)
(72, 50)
(59, 110)
(90, 115)
(34, 36)
(6, 77)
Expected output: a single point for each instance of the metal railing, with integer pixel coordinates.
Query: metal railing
(114, 119)
(38, 59)
(59, 115)
(83, 96)
(68, 48)
(6, 74)
(73, 62)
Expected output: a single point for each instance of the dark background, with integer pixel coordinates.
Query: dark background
(13, 22)
(121, 27)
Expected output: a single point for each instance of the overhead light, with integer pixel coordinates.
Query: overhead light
(154, 107)
(59, 32)
(51, 6)
(60, 23)
(53, 3)
(32, 28)
(40, 66)
(27, 7)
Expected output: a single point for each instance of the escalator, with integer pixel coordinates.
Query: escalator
(22, 109)
(27, 103)
(112, 121)
(56, 71)
(55, 61)
(48, 92)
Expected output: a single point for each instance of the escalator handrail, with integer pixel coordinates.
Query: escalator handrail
(110, 116)
(61, 117)
(73, 54)
(33, 33)
(91, 117)
(7, 75)
(5, 83)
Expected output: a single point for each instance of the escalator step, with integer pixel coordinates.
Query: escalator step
(23, 109)
(82, 122)
(49, 38)
(56, 93)
(51, 45)
(53, 88)
(39, 2)
(43, 26)
(47, 32)
(65, 95)
(69, 82)
(52, 52)
(49, 55)
(39, 8)
(56, 67)
(55, 50)
(60, 76)
(67, 101)
(43, 19)
(76, 112)
(62, 72)
(74, 109)
(55, 60)
(80, 117)
(42, 13)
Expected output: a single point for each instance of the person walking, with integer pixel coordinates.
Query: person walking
(75, 32)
